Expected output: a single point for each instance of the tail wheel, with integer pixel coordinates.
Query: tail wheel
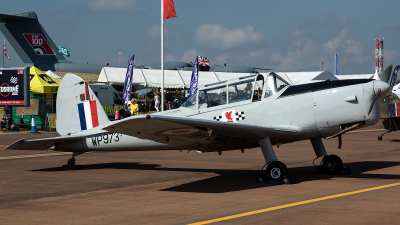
(276, 171)
(333, 163)
(71, 162)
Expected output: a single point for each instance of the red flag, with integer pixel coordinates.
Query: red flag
(169, 9)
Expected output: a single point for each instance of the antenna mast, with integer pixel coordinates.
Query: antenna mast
(379, 56)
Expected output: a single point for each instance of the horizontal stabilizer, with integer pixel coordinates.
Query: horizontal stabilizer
(40, 144)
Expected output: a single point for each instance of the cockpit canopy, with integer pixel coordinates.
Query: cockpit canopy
(249, 88)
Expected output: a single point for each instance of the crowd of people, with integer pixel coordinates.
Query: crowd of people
(172, 99)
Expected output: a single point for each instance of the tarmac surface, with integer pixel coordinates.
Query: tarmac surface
(172, 187)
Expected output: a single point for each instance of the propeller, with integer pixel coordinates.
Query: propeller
(385, 78)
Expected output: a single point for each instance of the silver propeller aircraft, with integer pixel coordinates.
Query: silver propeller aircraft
(246, 112)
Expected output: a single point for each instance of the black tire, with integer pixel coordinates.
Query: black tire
(71, 162)
(276, 171)
(332, 163)
(380, 138)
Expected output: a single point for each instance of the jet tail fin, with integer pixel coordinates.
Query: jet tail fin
(29, 39)
(78, 108)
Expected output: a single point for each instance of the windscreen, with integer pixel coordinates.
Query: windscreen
(191, 102)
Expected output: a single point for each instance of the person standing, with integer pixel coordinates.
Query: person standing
(169, 99)
(5, 120)
(157, 101)
(134, 107)
(117, 115)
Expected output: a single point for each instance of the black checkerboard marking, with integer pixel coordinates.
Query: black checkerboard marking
(218, 118)
(239, 116)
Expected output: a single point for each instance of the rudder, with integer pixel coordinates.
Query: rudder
(78, 108)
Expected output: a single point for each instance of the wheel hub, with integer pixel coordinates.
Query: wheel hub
(331, 166)
(275, 173)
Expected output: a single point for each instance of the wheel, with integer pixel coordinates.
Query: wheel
(380, 138)
(332, 163)
(71, 162)
(276, 171)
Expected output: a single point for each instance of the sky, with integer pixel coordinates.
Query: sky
(284, 35)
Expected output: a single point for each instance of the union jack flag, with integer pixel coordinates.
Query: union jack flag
(203, 61)
(5, 49)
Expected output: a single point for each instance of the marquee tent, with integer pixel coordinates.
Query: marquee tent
(172, 78)
(181, 79)
(42, 83)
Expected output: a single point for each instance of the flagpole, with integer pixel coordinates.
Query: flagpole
(162, 56)
(4, 42)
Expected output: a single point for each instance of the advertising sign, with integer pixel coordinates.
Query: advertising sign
(14, 86)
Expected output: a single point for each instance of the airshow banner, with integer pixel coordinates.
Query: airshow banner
(194, 78)
(128, 81)
(14, 86)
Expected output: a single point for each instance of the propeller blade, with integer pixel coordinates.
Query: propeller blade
(372, 106)
(373, 102)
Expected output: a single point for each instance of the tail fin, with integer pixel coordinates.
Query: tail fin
(78, 108)
(29, 39)
(386, 74)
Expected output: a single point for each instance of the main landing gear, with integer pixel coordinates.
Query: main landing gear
(276, 171)
(71, 162)
(330, 164)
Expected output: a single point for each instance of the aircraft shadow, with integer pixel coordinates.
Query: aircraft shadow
(117, 165)
(235, 180)
(247, 179)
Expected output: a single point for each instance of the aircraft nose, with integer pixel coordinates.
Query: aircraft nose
(382, 86)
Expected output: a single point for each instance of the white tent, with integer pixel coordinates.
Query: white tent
(172, 78)
(181, 79)
(50, 73)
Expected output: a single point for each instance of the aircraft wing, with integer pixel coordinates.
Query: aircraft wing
(40, 144)
(199, 134)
